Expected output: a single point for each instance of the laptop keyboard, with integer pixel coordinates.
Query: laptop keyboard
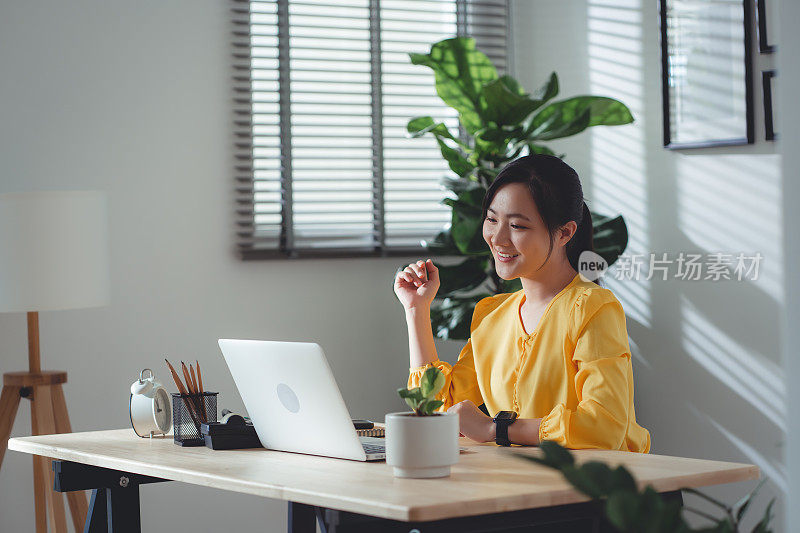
(373, 448)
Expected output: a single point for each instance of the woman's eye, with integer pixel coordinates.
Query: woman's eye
(490, 219)
(515, 226)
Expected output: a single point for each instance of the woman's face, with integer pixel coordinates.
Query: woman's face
(515, 232)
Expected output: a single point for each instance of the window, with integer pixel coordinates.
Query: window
(323, 92)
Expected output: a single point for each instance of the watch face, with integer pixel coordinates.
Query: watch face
(506, 415)
(162, 410)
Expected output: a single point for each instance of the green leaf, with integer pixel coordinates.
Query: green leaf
(419, 126)
(464, 276)
(764, 525)
(651, 503)
(610, 236)
(549, 90)
(539, 149)
(741, 506)
(429, 406)
(671, 520)
(622, 510)
(451, 317)
(431, 383)
(599, 477)
(460, 71)
(466, 225)
(506, 106)
(413, 394)
(461, 185)
(621, 479)
(556, 455)
(513, 85)
(412, 403)
(572, 116)
(457, 162)
(582, 480)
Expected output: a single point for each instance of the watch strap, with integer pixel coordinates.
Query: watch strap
(501, 427)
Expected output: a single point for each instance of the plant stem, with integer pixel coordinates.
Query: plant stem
(709, 498)
(701, 513)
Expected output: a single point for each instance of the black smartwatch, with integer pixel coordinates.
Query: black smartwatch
(502, 420)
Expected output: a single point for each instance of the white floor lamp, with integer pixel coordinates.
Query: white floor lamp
(53, 256)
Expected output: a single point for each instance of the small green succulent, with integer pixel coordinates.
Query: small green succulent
(422, 399)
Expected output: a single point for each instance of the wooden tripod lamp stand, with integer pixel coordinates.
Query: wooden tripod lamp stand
(53, 256)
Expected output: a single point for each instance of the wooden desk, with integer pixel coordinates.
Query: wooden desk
(487, 480)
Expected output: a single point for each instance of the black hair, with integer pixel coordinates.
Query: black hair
(558, 195)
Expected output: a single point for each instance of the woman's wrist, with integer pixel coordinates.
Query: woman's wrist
(419, 311)
(524, 431)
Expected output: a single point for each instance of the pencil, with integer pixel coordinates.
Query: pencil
(184, 394)
(188, 378)
(199, 376)
(192, 391)
(200, 384)
(199, 393)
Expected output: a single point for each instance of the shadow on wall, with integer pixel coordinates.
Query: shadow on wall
(706, 353)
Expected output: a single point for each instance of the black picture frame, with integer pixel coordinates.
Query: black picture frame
(763, 40)
(766, 85)
(743, 135)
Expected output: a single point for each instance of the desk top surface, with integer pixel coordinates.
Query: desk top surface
(487, 479)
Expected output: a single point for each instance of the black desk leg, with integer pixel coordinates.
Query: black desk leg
(122, 506)
(302, 518)
(97, 519)
(115, 495)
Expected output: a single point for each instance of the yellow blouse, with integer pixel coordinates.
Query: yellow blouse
(574, 371)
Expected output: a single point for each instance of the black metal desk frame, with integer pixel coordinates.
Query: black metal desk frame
(114, 508)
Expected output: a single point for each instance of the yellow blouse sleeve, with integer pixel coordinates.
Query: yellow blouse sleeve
(604, 378)
(461, 381)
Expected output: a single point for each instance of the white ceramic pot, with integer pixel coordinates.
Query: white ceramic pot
(421, 446)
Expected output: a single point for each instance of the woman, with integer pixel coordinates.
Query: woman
(551, 361)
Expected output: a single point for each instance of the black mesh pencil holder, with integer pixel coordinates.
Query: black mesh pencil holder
(188, 412)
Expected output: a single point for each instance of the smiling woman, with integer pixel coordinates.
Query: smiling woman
(551, 361)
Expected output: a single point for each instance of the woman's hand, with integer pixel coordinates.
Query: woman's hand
(414, 288)
(473, 423)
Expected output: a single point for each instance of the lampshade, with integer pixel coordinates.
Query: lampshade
(53, 250)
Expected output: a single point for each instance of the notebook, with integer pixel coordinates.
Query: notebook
(378, 431)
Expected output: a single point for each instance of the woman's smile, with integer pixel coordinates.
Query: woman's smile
(505, 257)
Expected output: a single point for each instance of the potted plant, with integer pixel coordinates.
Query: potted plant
(631, 509)
(499, 121)
(422, 443)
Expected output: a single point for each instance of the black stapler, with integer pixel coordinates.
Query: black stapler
(232, 432)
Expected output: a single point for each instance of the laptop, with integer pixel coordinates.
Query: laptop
(292, 399)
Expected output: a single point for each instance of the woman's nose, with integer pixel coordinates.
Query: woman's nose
(500, 236)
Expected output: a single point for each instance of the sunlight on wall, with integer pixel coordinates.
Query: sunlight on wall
(751, 376)
(618, 182)
(727, 203)
(772, 469)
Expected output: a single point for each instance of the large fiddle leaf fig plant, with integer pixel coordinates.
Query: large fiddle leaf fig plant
(500, 121)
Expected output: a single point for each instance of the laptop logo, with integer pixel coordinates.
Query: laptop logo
(288, 398)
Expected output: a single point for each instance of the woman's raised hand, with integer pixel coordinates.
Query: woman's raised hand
(417, 284)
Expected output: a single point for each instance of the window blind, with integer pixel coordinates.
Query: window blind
(323, 92)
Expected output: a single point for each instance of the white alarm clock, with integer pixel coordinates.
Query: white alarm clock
(150, 406)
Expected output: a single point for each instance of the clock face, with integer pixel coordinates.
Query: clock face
(162, 410)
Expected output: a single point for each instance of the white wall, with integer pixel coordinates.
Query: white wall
(708, 368)
(789, 70)
(133, 98)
